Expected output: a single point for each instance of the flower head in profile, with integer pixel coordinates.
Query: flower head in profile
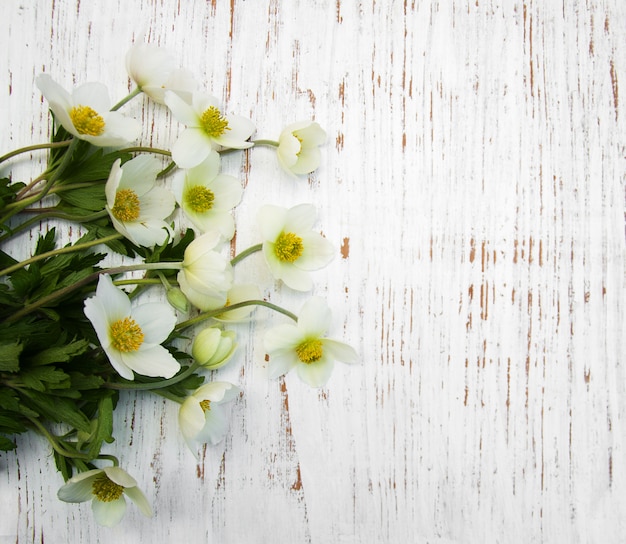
(213, 347)
(132, 337)
(206, 275)
(303, 346)
(153, 69)
(207, 128)
(136, 205)
(291, 248)
(207, 197)
(298, 147)
(203, 416)
(106, 489)
(85, 113)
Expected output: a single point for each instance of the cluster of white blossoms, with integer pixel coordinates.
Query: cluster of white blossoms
(141, 208)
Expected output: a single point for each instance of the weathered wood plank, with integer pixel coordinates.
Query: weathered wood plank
(473, 183)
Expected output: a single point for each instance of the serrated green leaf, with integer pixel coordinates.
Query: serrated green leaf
(104, 427)
(91, 198)
(41, 378)
(82, 382)
(10, 356)
(60, 354)
(10, 425)
(58, 409)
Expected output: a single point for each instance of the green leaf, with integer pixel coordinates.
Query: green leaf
(60, 354)
(6, 444)
(104, 427)
(10, 356)
(40, 378)
(58, 409)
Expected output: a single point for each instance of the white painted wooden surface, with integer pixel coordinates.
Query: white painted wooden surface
(474, 182)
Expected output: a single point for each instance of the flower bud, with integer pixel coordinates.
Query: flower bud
(213, 347)
(177, 299)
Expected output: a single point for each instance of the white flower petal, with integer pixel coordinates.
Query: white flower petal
(120, 476)
(227, 190)
(271, 220)
(115, 358)
(314, 317)
(112, 184)
(308, 160)
(217, 392)
(109, 514)
(156, 320)
(316, 374)
(139, 174)
(117, 302)
(147, 233)
(191, 418)
(281, 363)
(286, 336)
(53, 92)
(158, 203)
(182, 111)
(191, 148)
(153, 361)
(136, 495)
(79, 488)
(215, 426)
(95, 95)
(339, 351)
(317, 252)
(300, 218)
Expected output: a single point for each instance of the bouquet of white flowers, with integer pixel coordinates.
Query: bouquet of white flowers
(75, 333)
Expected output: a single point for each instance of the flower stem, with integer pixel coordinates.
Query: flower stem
(49, 212)
(126, 99)
(60, 251)
(272, 143)
(142, 149)
(149, 386)
(213, 313)
(54, 442)
(35, 147)
(85, 281)
(245, 253)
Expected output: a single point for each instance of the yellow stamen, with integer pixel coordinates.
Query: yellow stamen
(205, 405)
(87, 121)
(213, 123)
(310, 351)
(126, 335)
(126, 207)
(199, 199)
(105, 489)
(288, 247)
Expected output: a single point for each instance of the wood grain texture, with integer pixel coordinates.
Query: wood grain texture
(473, 183)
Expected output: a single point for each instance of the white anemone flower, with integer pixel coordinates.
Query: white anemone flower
(203, 417)
(137, 206)
(291, 248)
(207, 197)
(303, 346)
(206, 275)
(153, 69)
(105, 488)
(85, 113)
(207, 128)
(132, 337)
(298, 147)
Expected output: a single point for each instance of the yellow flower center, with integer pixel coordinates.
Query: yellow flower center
(205, 405)
(288, 247)
(213, 122)
(105, 489)
(199, 199)
(126, 335)
(126, 207)
(310, 351)
(87, 121)
(300, 140)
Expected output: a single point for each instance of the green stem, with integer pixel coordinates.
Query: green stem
(85, 281)
(112, 458)
(34, 147)
(272, 143)
(60, 251)
(55, 443)
(155, 385)
(142, 149)
(213, 313)
(126, 99)
(244, 254)
(49, 212)
(138, 281)
(168, 395)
